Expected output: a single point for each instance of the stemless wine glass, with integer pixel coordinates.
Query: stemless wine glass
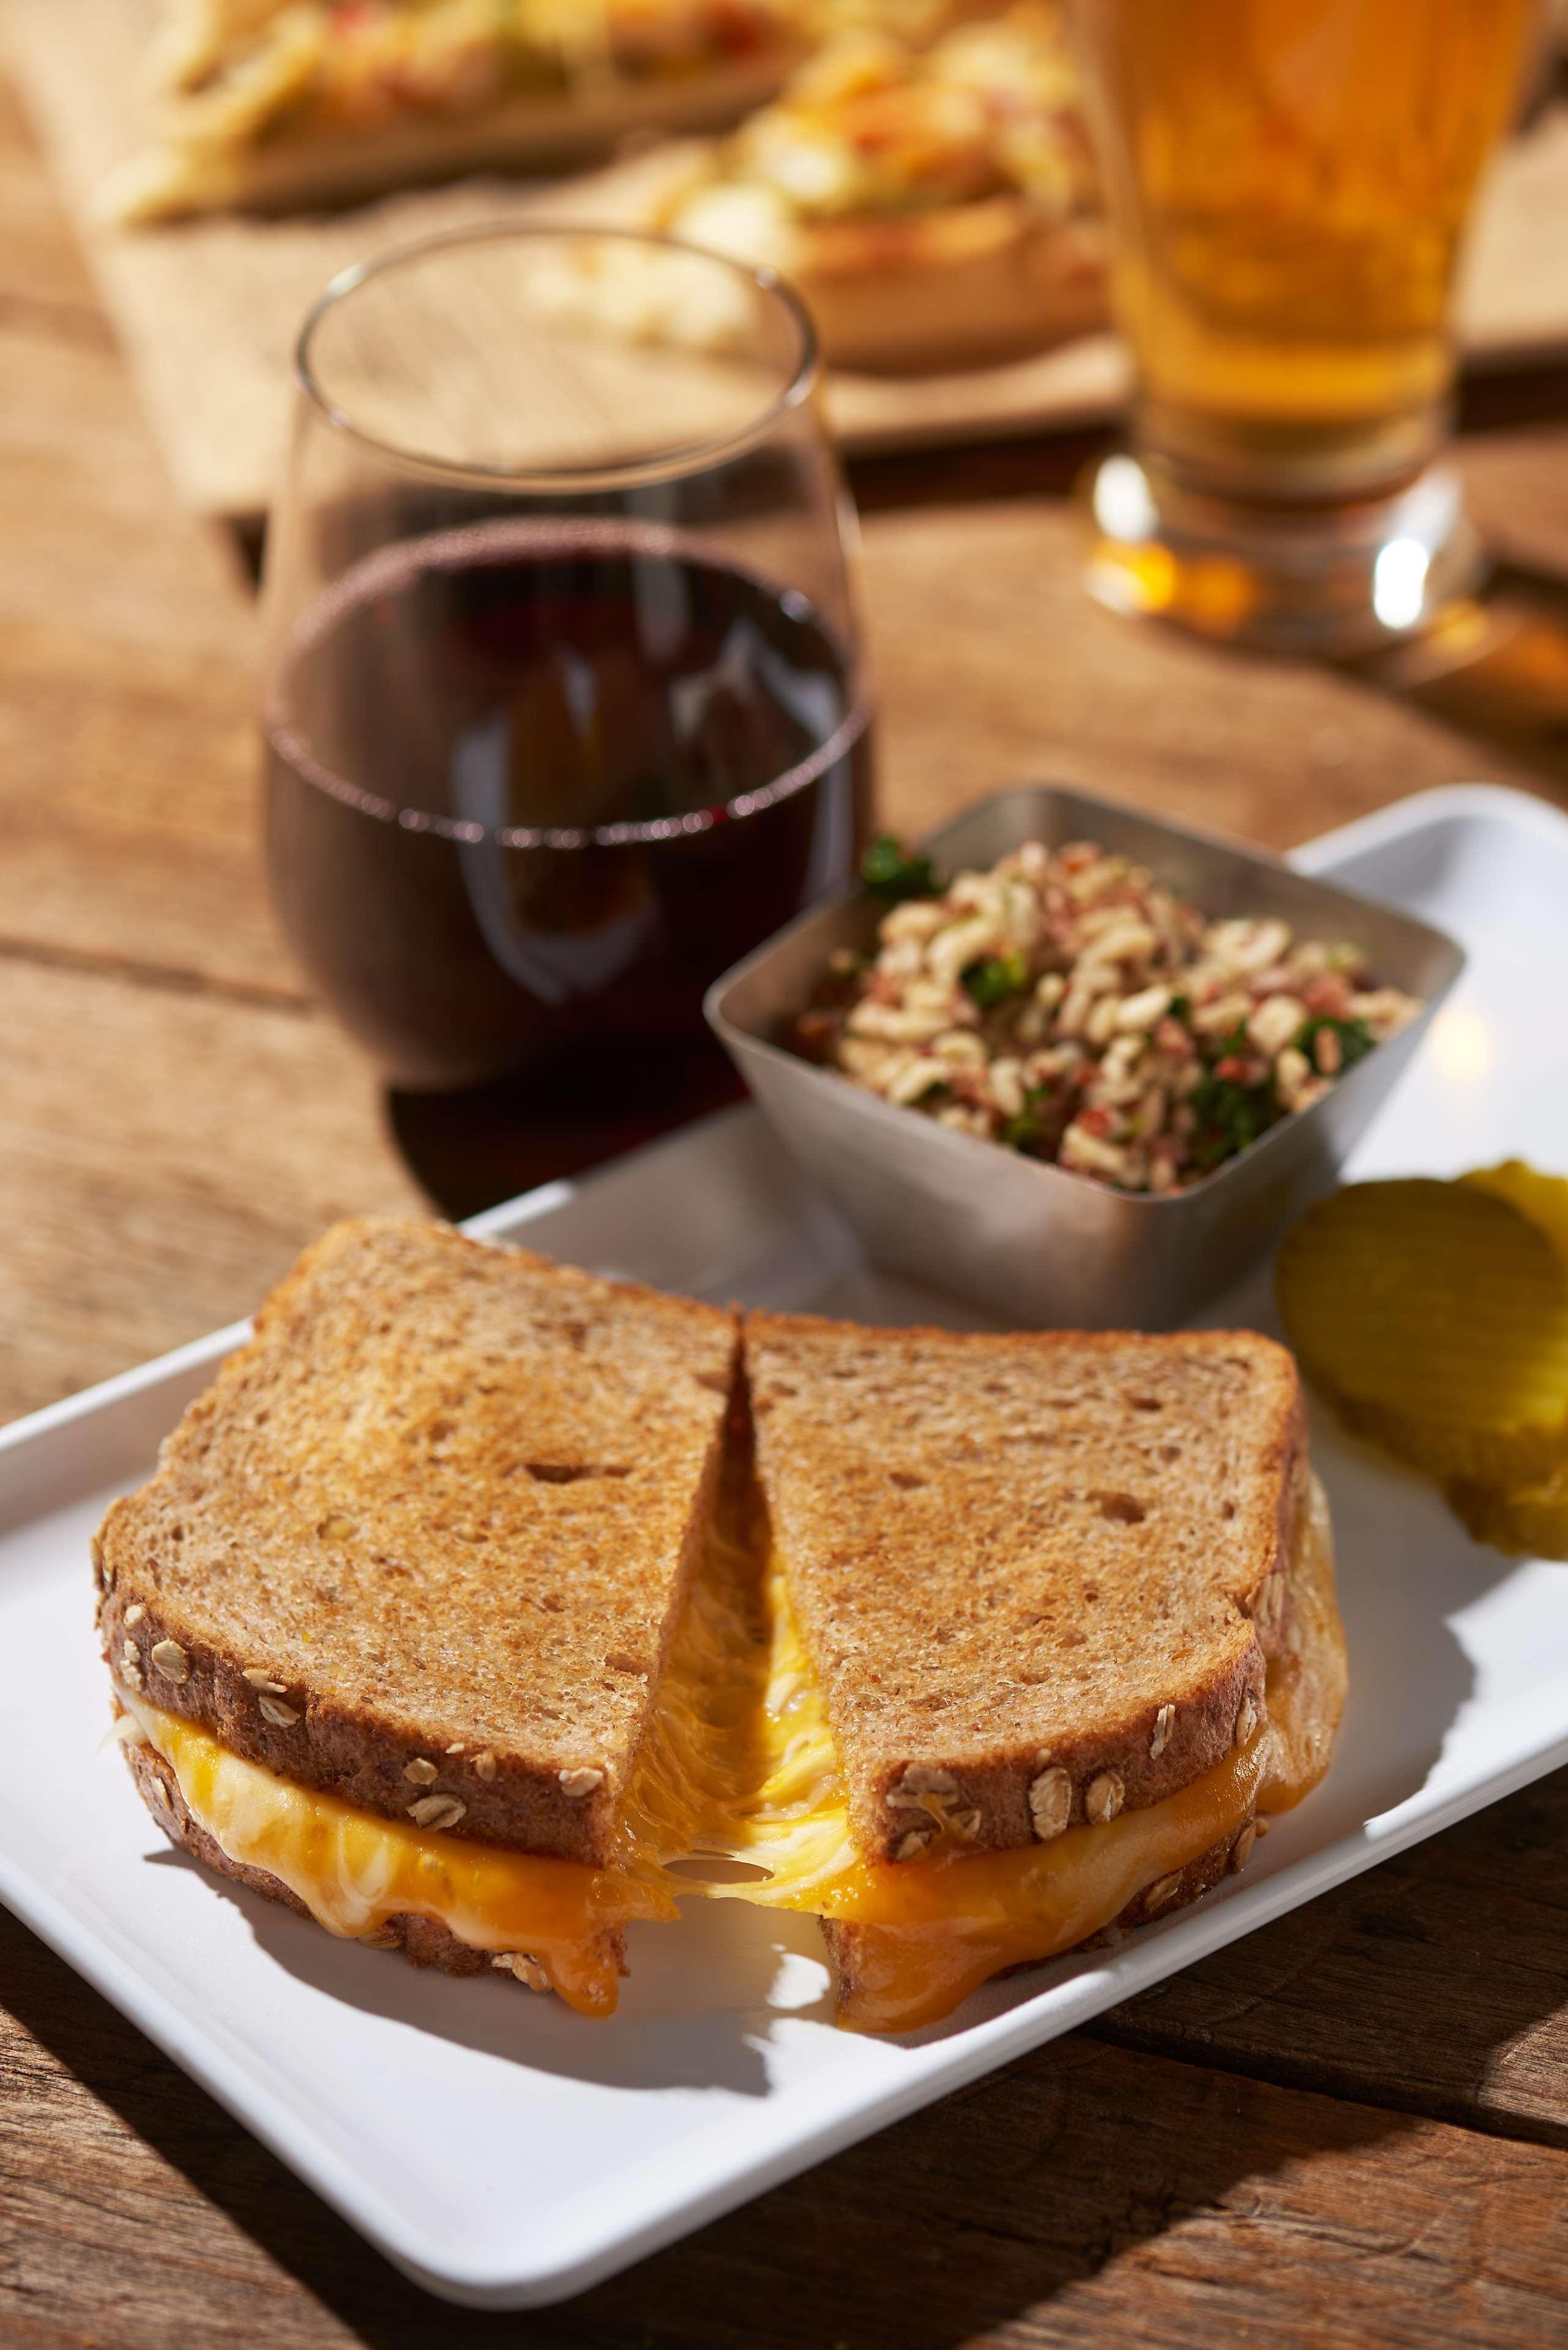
(565, 707)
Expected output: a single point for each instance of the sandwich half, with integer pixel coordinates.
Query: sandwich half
(477, 1592)
(389, 1625)
(1047, 1623)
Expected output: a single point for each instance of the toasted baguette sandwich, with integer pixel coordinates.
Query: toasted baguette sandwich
(388, 1625)
(1052, 1622)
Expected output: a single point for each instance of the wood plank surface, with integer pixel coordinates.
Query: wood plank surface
(1437, 1982)
(1351, 2130)
(992, 664)
(128, 752)
(164, 1157)
(209, 309)
(176, 1117)
(42, 264)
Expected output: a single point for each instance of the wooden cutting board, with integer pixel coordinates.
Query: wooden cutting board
(208, 311)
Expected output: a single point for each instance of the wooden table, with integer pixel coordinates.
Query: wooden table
(1353, 2129)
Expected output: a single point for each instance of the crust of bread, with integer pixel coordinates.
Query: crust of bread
(424, 1941)
(844, 1943)
(986, 1531)
(177, 178)
(471, 1595)
(970, 285)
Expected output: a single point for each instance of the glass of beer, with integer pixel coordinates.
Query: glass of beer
(1288, 182)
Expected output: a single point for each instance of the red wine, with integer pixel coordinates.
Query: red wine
(534, 786)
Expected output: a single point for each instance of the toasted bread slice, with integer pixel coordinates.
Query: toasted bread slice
(427, 1532)
(1001, 1546)
(1045, 1584)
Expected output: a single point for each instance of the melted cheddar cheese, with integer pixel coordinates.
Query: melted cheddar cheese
(931, 1932)
(354, 1871)
(741, 1764)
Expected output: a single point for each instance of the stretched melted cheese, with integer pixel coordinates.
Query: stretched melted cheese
(741, 1764)
(354, 1871)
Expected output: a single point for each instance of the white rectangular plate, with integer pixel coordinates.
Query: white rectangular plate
(505, 2152)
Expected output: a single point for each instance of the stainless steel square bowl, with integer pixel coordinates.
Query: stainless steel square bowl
(1036, 1243)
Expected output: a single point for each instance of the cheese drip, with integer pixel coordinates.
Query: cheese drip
(354, 1871)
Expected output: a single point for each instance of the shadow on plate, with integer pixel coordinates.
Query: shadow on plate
(751, 1966)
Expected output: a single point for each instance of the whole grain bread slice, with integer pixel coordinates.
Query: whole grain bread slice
(425, 1538)
(1039, 1577)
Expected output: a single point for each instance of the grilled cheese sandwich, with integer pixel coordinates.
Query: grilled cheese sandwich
(395, 1607)
(751, 1758)
(743, 1768)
